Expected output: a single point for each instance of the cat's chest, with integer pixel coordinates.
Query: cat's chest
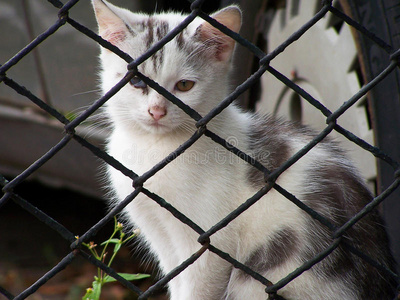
(142, 154)
(200, 172)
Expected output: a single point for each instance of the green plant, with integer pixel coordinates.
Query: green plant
(93, 293)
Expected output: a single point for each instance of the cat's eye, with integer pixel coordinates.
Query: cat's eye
(184, 85)
(138, 83)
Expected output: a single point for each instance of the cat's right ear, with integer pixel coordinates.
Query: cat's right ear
(111, 27)
(217, 43)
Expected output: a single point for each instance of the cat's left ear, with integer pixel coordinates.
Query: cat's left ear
(111, 26)
(219, 43)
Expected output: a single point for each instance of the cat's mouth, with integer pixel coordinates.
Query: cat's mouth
(158, 126)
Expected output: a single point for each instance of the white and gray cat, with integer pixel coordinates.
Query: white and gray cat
(207, 182)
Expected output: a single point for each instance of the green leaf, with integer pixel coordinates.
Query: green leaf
(117, 247)
(126, 276)
(94, 292)
(112, 241)
(131, 277)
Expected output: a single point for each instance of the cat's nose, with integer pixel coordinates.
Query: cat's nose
(157, 112)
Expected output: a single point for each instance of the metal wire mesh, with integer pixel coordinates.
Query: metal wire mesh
(201, 123)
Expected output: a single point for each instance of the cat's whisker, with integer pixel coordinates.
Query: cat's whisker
(86, 92)
(155, 8)
(197, 51)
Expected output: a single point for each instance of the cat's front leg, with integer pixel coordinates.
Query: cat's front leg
(207, 278)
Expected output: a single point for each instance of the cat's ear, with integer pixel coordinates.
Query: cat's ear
(219, 43)
(111, 27)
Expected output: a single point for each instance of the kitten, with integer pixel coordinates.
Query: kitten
(207, 182)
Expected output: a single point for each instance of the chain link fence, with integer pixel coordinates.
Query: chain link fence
(264, 59)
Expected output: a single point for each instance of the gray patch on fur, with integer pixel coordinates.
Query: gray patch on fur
(161, 30)
(150, 32)
(180, 40)
(130, 30)
(155, 30)
(281, 247)
(333, 188)
(268, 146)
(335, 191)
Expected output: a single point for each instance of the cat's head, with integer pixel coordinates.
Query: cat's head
(194, 66)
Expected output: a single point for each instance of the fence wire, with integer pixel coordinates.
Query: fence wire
(77, 248)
